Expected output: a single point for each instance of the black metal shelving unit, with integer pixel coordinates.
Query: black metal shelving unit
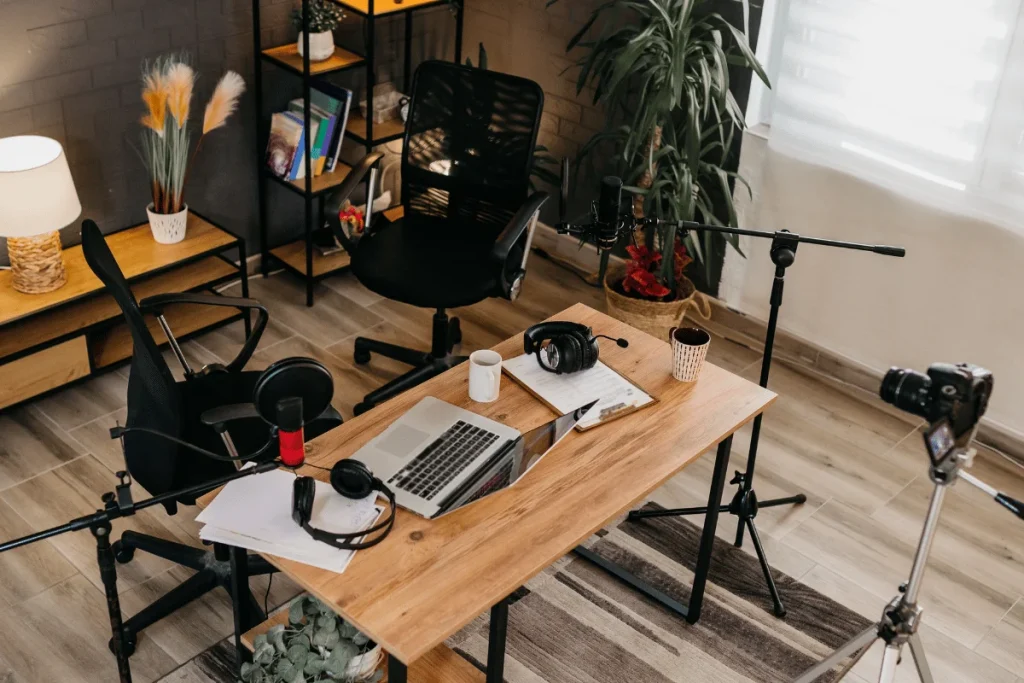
(299, 255)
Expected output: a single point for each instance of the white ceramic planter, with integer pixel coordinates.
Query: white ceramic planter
(321, 45)
(168, 228)
(361, 667)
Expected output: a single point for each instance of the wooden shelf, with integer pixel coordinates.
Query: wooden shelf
(134, 249)
(382, 132)
(94, 310)
(321, 183)
(294, 254)
(395, 213)
(381, 7)
(288, 57)
(440, 665)
(114, 345)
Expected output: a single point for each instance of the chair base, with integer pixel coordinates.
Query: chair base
(447, 333)
(213, 570)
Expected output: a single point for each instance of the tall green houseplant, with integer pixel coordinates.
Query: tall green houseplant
(660, 68)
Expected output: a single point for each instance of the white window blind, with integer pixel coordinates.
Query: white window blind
(923, 96)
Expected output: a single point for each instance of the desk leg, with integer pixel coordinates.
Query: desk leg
(690, 612)
(496, 643)
(707, 539)
(397, 672)
(241, 600)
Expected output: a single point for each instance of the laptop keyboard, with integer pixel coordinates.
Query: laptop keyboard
(443, 460)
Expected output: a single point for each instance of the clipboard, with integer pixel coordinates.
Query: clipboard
(543, 385)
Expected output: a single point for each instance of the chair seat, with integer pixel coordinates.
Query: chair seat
(429, 262)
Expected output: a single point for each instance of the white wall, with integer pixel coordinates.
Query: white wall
(957, 296)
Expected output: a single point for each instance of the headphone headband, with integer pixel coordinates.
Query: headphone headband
(352, 479)
(536, 334)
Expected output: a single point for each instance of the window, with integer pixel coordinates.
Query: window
(923, 96)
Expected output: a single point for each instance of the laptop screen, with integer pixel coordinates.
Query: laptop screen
(513, 463)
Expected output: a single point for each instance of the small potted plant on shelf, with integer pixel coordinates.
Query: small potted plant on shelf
(316, 645)
(167, 85)
(324, 17)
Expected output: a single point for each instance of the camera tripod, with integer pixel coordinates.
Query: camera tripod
(902, 616)
(745, 504)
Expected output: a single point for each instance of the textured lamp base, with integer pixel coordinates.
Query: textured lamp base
(37, 263)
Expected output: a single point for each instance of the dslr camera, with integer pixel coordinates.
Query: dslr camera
(956, 393)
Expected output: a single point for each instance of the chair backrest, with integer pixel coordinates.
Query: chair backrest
(153, 400)
(469, 144)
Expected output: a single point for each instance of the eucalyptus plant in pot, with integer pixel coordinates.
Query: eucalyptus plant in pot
(324, 17)
(316, 645)
(660, 68)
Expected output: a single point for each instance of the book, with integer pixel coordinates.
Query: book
(285, 139)
(298, 169)
(320, 145)
(334, 99)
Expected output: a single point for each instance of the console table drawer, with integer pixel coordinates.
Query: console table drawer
(44, 370)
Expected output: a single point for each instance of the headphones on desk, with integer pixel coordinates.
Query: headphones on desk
(571, 347)
(351, 479)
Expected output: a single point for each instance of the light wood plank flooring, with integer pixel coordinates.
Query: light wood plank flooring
(861, 466)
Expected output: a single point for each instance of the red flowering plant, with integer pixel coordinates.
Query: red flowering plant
(643, 269)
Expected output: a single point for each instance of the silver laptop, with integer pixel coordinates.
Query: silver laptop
(438, 457)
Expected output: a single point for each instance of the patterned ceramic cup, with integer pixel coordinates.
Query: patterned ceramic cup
(689, 349)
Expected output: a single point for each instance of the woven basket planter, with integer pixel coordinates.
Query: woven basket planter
(655, 318)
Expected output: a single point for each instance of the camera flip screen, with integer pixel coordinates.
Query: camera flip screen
(939, 440)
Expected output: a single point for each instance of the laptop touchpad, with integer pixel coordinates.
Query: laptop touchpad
(402, 441)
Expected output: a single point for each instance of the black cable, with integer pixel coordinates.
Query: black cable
(266, 596)
(547, 257)
(119, 432)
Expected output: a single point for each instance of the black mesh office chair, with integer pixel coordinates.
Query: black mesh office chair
(468, 222)
(182, 410)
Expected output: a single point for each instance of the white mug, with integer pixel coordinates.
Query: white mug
(689, 349)
(484, 375)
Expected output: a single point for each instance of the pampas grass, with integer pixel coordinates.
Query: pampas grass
(167, 87)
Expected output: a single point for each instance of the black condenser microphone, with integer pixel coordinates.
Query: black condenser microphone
(609, 217)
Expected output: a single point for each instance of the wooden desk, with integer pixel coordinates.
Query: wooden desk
(431, 578)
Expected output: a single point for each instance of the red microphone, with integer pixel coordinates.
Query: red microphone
(290, 437)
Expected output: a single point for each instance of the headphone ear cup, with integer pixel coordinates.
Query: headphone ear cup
(352, 479)
(591, 350)
(303, 493)
(572, 353)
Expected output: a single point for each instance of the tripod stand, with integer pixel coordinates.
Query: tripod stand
(745, 504)
(120, 504)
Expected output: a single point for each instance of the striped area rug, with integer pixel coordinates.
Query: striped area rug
(574, 623)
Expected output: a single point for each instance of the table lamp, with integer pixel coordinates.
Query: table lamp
(37, 198)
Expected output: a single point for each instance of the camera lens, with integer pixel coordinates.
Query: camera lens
(907, 390)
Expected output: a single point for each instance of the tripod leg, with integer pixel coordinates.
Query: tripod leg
(798, 499)
(841, 673)
(858, 644)
(917, 649)
(780, 611)
(890, 660)
(674, 512)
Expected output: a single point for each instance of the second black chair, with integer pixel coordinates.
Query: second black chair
(468, 219)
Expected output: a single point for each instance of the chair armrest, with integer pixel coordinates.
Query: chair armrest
(155, 304)
(517, 226)
(352, 180)
(221, 415)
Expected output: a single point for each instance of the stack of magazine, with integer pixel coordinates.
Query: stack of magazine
(286, 148)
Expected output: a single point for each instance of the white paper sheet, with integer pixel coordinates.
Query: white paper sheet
(255, 513)
(570, 391)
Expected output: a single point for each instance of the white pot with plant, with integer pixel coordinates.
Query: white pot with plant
(324, 17)
(167, 93)
(316, 645)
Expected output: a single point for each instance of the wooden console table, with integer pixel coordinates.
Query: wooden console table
(49, 341)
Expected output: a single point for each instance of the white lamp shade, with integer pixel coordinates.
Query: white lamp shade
(37, 194)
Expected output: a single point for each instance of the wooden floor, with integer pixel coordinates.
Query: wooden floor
(861, 466)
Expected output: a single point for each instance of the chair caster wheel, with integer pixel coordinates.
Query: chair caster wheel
(361, 357)
(122, 554)
(129, 643)
(361, 408)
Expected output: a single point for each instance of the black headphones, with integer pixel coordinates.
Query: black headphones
(351, 479)
(571, 347)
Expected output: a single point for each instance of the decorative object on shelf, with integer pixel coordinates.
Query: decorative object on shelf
(386, 103)
(316, 645)
(680, 128)
(324, 17)
(167, 92)
(351, 218)
(636, 296)
(37, 198)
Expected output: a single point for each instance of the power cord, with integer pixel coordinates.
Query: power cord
(118, 432)
(266, 596)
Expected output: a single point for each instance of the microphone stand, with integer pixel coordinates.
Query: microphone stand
(119, 504)
(744, 504)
